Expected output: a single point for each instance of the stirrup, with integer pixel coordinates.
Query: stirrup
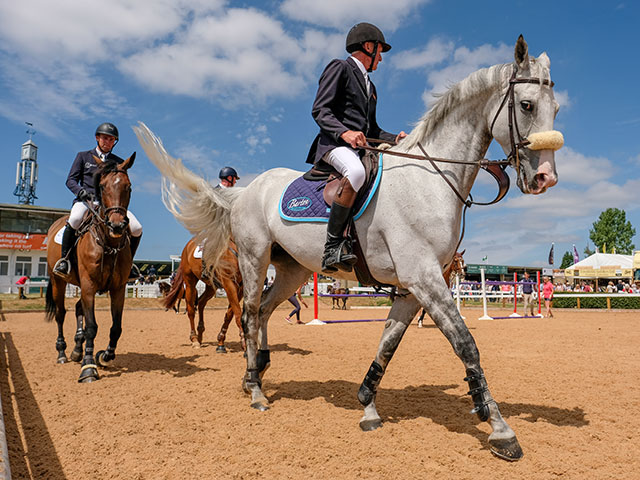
(59, 267)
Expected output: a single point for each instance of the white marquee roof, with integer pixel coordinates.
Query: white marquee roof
(598, 260)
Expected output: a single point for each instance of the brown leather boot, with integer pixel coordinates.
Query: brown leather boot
(337, 249)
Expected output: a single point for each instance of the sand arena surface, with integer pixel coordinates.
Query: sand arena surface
(568, 386)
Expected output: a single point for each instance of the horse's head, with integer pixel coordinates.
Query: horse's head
(113, 190)
(523, 124)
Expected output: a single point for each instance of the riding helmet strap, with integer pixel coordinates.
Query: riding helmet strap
(372, 55)
(370, 384)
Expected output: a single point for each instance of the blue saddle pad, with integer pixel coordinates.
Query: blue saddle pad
(302, 201)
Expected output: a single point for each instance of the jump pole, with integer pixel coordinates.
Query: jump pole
(484, 297)
(315, 320)
(458, 295)
(515, 297)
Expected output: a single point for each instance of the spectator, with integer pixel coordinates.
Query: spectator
(527, 293)
(620, 286)
(22, 281)
(547, 294)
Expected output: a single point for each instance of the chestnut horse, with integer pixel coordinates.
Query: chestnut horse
(101, 263)
(184, 284)
(336, 300)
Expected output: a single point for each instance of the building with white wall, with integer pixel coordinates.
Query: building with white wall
(23, 242)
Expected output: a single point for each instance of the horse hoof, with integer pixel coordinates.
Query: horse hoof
(195, 345)
(76, 356)
(221, 349)
(62, 360)
(260, 406)
(101, 359)
(506, 449)
(88, 374)
(370, 424)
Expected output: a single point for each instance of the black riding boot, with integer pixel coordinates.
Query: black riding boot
(63, 266)
(337, 249)
(134, 242)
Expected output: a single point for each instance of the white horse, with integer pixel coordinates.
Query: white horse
(409, 231)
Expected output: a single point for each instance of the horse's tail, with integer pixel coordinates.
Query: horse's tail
(175, 292)
(50, 306)
(203, 209)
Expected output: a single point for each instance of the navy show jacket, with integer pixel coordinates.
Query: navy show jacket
(342, 104)
(82, 170)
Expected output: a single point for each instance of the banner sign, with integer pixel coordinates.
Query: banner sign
(491, 269)
(21, 241)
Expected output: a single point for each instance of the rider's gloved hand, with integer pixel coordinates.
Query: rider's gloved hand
(84, 196)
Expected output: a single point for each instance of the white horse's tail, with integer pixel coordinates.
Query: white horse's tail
(204, 210)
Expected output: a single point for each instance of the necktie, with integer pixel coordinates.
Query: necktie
(367, 83)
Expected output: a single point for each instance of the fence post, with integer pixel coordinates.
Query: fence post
(315, 320)
(515, 296)
(458, 294)
(485, 315)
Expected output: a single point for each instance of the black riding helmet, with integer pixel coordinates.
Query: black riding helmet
(108, 129)
(228, 172)
(366, 32)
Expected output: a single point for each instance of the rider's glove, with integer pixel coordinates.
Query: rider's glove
(84, 196)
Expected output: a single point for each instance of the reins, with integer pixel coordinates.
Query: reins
(495, 167)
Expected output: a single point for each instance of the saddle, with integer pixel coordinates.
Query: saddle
(322, 171)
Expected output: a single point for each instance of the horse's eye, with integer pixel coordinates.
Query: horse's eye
(526, 106)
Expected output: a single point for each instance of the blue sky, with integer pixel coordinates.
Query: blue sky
(232, 83)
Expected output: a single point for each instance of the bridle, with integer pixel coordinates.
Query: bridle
(101, 216)
(494, 167)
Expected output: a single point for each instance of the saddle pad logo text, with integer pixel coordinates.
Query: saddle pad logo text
(299, 203)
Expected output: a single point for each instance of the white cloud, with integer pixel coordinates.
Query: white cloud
(464, 61)
(435, 51)
(575, 167)
(341, 14)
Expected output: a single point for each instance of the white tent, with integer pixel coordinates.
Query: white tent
(602, 265)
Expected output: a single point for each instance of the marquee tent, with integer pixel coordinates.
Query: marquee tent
(602, 265)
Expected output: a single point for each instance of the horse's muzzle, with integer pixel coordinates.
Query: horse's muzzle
(117, 229)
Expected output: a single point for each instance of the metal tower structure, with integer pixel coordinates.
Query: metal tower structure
(27, 170)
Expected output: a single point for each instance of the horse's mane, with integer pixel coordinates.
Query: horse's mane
(476, 84)
(107, 166)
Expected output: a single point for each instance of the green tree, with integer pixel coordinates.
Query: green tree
(613, 230)
(567, 260)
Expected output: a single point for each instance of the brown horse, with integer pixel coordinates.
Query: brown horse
(101, 263)
(335, 301)
(228, 278)
(165, 288)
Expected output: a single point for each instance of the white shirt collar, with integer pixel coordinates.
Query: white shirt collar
(101, 154)
(360, 66)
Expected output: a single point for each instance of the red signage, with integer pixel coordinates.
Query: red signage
(22, 241)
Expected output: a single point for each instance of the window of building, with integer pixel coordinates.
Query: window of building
(42, 267)
(4, 265)
(23, 266)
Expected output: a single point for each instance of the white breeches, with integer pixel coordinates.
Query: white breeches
(348, 163)
(79, 208)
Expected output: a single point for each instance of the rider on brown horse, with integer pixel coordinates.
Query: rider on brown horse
(345, 110)
(81, 182)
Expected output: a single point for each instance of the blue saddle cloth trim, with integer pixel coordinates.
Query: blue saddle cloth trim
(302, 200)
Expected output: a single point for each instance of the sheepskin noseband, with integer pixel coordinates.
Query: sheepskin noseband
(550, 140)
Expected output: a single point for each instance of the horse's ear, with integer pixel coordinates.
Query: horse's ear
(522, 54)
(98, 161)
(462, 252)
(128, 163)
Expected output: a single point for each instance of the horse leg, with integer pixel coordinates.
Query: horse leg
(57, 292)
(292, 275)
(442, 309)
(89, 369)
(191, 296)
(400, 316)
(233, 288)
(106, 358)
(208, 293)
(76, 354)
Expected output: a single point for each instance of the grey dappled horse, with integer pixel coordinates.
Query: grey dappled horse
(408, 233)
